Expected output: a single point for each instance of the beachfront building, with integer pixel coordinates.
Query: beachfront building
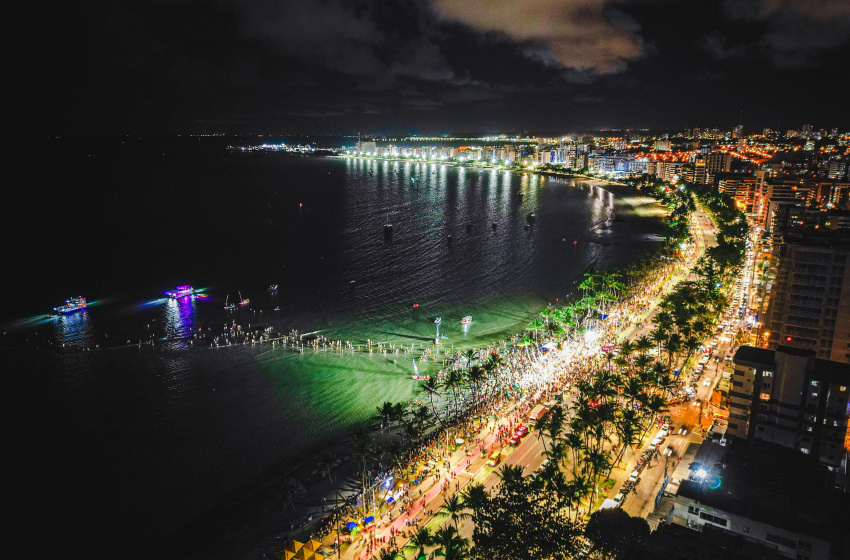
(789, 397)
(763, 493)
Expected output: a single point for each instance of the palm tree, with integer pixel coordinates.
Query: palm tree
(450, 545)
(420, 540)
(476, 376)
(643, 344)
(432, 387)
(552, 426)
(475, 496)
(470, 355)
(453, 382)
(454, 507)
(511, 475)
(494, 362)
(627, 348)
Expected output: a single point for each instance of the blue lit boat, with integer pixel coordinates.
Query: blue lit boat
(72, 305)
(180, 291)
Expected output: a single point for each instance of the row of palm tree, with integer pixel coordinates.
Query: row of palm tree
(616, 405)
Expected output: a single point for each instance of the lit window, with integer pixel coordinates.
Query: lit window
(765, 396)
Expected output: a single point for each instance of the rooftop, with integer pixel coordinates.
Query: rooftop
(768, 483)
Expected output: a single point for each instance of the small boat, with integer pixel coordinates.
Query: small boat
(179, 292)
(388, 227)
(420, 377)
(243, 301)
(273, 288)
(466, 320)
(72, 305)
(277, 308)
(229, 306)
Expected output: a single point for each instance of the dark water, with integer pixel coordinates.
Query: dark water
(119, 446)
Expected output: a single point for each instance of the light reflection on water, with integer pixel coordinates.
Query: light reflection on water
(203, 420)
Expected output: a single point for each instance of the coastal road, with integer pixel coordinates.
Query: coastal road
(691, 415)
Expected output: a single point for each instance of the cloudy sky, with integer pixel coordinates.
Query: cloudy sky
(428, 66)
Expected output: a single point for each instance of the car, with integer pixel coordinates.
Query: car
(543, 465)
(707, 382)
(522, 430)
(619, 498)
(514, 440)
(668, 451)
(683, 431)
(634, 476)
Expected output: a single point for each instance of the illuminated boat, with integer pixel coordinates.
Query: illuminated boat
(273, 288)
(72, 305)
(180, 291)
(229, 306)
(243, 301)
(466, 320)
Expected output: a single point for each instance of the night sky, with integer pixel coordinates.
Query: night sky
(427, 66)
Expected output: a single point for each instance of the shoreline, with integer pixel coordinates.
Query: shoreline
(264, 493)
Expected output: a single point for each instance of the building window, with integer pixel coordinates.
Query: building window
(767, 374)
(764, 396)
(693, 510)
(713, 519)
(803, 545)
(814, 382)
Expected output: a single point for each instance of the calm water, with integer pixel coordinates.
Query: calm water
(122, 445)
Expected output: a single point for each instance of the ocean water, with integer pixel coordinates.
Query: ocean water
(124, 445)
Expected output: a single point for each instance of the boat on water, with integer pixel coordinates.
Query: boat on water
(466, 320)
(179, 292)
(228, 306)
(273, 288)
(388, 227)
(243, 301)
(72, 305)
(277, 308)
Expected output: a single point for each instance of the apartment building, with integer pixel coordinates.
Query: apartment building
(789, 397)
(810, 296)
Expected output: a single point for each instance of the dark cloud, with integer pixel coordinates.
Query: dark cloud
(573, 34)
(792, 33)
(136, 66)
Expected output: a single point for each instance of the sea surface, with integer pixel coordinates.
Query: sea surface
(123, 447)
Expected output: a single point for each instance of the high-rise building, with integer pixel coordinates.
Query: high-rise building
(663, 145)
(806, 131)
(718, 162)
(700, 170)
(810, 300)
(738, 131)
(837, 168)
(790, 397)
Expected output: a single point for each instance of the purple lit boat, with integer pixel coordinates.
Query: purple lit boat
(180, 291)
(72, 305)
